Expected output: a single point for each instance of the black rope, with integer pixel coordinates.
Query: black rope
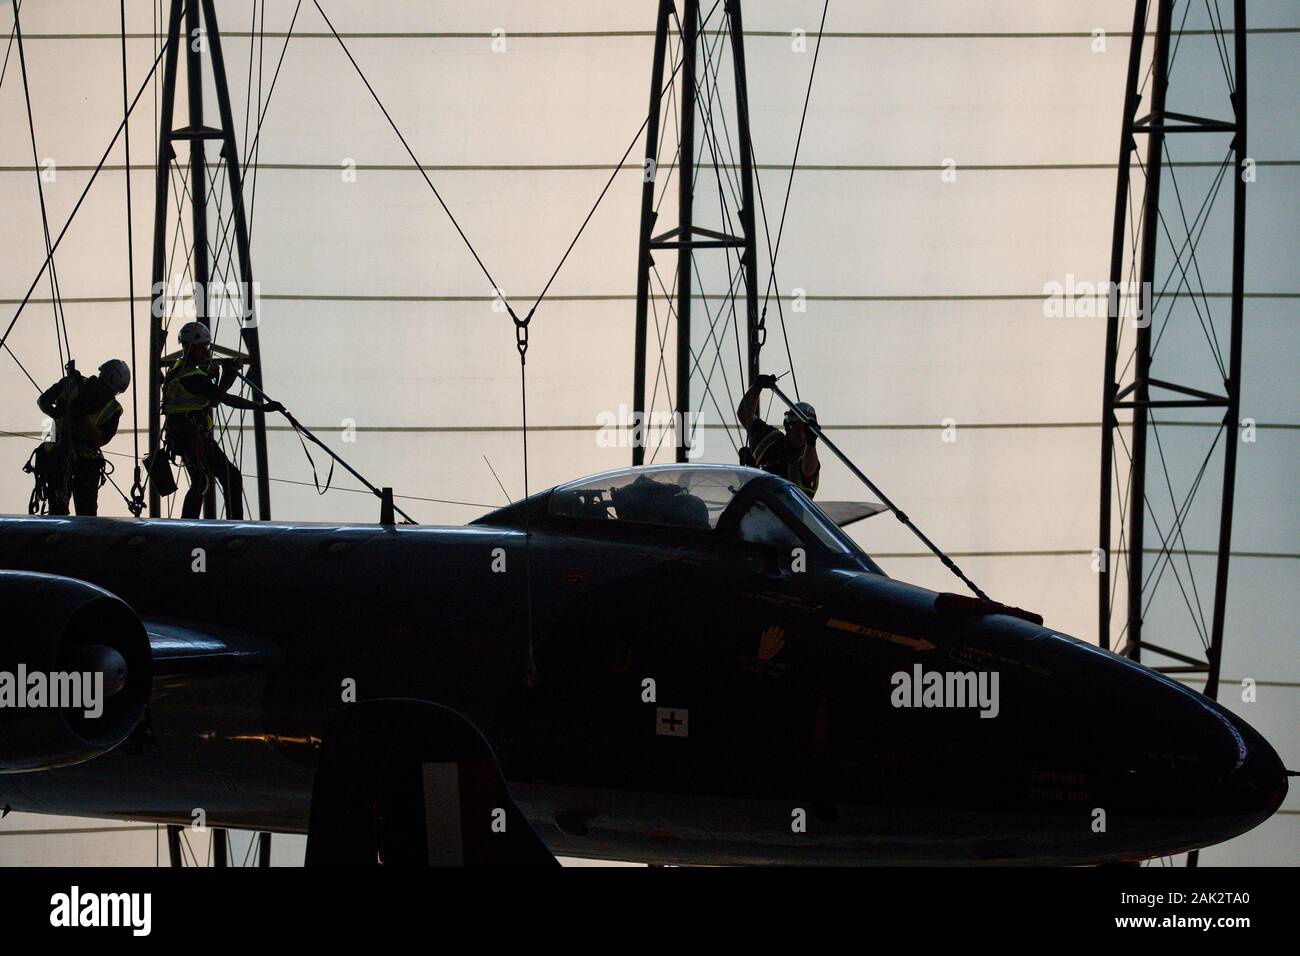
(712, 80)
(24, 369)
(315, 479)
(1220, 41)
(671, 111)
(254, 150)
(464, 238)
(1134, 275)
(222, 256)
(884, 499)
(661, 337)
(1152, 579)
(290, 481)
(108, 476)
(1205, 209)
(711, 69)
(771, 258)
(8, 49)
(498, 479)
(780, 310)
(711, 140)
(780, 229)
(1169, 69)
(1189, 244)
(522, 345)
(617, 168)
(1179, 514)
(136, 503)
(179, 235)
(256, 52)
(248, 88)
(55, 297)
(1125, 491)
(718, 364)
(98, 167)
(156, 10)
(1206, 320)
(304, 431)
(609, 182)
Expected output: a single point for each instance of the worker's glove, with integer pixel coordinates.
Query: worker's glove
(272, 407)
(765, 381)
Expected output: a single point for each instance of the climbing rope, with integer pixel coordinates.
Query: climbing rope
(304, 432)
(898, 512)
(80, 199)
(315, 478)
(56, 299)
(521, 345)
(419, 167)
(772, 251)
(136, 502)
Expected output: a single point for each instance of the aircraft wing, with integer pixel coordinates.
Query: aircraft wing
(846, 512)
(182, 653)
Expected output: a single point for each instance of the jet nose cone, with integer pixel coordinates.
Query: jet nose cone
(1256, 784)
(1193, 772)
(1209, 769)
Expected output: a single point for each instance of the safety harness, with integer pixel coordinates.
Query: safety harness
(766, 451)
(51, 474)
(53, 464)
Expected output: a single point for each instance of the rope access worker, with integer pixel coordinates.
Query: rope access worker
(189, 395)
(86, 414)
(791, 453)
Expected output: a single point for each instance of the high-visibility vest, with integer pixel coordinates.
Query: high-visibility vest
(112, 408)
(794, 470)
(62, 425)
(177, 398)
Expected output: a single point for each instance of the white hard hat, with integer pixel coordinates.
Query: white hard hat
(194, 333)
(115, 374)
(809, 413)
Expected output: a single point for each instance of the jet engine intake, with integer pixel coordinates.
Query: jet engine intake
(75, 671)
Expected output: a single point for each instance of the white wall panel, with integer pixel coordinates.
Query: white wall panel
(923, 297)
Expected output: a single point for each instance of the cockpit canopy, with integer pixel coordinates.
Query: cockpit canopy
(730, 502)
(675, 495)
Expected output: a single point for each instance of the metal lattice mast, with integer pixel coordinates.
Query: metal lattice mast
(687, 236)
(1150, 209)
(201, 33)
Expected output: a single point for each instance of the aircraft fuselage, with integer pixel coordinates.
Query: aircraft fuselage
(672, 700)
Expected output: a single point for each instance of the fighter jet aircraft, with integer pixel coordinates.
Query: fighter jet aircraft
(673, 664)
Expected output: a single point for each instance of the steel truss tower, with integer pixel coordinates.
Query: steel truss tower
(1155, 243)
(201, 34)
(686, 236)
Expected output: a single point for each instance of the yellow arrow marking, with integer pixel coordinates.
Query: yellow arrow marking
(917, 644)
